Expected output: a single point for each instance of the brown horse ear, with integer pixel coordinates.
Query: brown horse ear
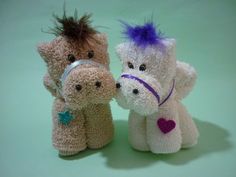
(103, 39)
(44, 49)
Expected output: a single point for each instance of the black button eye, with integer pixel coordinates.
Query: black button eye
(98, 84)
(130, 65)
(90, 54)
(78, 87)
(71, 58)
(142, 67)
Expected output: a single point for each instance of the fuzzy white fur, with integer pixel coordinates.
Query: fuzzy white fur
(161, 69)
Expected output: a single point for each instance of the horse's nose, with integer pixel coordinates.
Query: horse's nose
(118, 85)
(135, 91)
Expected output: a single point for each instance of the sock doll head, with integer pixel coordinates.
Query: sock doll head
(78, 62)
(149, 67)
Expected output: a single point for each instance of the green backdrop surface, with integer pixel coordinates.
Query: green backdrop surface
(205, 34)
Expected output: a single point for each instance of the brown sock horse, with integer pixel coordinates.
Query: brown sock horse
(78, 77)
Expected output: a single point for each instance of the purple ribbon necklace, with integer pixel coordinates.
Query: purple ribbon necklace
(147, 86)
(165, 125)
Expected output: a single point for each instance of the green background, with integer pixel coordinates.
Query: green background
(205, 33)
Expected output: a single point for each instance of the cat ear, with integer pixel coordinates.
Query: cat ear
(45, 50)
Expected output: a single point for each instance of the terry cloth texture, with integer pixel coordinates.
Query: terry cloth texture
(159, 129)
(85, 93)
(92, 127)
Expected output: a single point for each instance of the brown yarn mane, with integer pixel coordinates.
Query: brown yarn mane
(74, 28)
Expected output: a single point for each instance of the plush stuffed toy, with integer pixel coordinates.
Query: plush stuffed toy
(78, 77)
(152, 85)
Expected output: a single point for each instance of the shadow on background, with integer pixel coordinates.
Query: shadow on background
(120, 155)
(213, 138)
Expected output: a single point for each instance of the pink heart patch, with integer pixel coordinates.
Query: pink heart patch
(165, 125)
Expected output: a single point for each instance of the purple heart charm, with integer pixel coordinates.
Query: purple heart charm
(165, 125)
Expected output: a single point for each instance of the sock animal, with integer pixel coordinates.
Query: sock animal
(152, 85)
(78, 77)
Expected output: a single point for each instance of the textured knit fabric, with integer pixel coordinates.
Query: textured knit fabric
(161, 70)
(86, 93)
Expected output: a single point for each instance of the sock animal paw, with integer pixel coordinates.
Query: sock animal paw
(78, 77)
(151, 86)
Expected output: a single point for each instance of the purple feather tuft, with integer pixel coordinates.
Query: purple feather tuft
(143, 36)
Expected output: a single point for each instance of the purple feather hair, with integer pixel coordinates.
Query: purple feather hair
(144, 35)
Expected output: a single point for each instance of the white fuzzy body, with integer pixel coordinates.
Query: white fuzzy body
(161, 69)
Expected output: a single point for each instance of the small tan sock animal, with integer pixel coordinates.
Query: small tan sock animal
(78, 77)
